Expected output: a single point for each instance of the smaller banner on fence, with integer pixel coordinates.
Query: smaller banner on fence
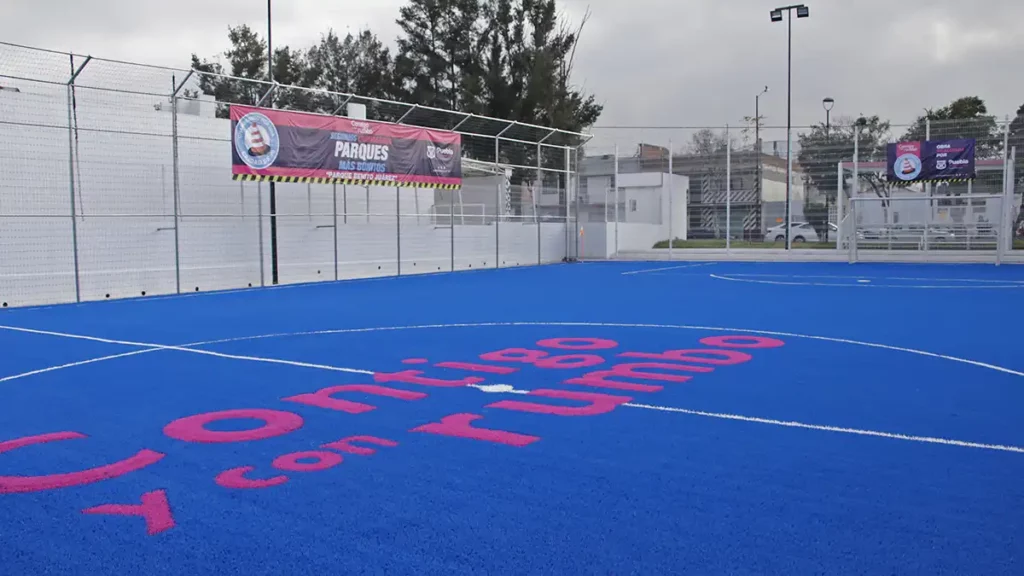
(931, 160)
(285, 146)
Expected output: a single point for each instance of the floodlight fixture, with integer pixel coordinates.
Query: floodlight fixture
(802, 11)
(776, 15)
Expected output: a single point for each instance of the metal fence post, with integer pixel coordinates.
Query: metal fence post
(334, 214)
(853, 236)
(615, 198)
(568, 199)
(928, 185)
(576, 229)
(538, 190)
(398, 225)
(497, 207)
(671, 201)
(1006, 220)
(259, 220)
(728, 190)
(176, 177)
(71, 176)
(451, 221)
(840, 196)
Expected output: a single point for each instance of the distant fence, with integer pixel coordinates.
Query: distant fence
(717, 188)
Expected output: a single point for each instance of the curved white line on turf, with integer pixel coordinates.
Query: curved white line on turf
(861, 285)
(856, 431)
(507, 389)
(645, 270)
(623, 325)
(192, 347)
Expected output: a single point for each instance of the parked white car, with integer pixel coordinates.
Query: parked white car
(801, 232)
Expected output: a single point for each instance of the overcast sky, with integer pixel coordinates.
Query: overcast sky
(651, 62)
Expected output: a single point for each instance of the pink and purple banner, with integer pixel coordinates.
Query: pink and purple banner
(301, 147)
(931, 160)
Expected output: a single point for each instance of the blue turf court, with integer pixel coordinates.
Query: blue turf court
(821, 419)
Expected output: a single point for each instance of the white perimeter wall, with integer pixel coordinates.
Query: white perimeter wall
(124, 182)
(600, 238)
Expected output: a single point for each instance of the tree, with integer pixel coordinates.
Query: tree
(750, 129)
(1016, 139)
(529, 53)
(356, 65)
(508, 59)
(965, 117)
(247, 60)
(821, 151)
(437, 51)
(816, 215)
(707, 142)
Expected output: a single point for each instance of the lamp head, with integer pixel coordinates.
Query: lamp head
(802, 11)
(828, 103)
(776, 15)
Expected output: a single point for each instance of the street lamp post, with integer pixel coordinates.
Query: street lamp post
(827, 104)
(776, 15)
(758, 150)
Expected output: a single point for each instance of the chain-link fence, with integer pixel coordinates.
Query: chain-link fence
(116, 181)
(715, 188)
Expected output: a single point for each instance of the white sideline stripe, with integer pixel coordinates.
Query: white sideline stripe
(79, 363)
(153, 347)
(863, 285)
(856, 431)
(845, 277)
(645, 270)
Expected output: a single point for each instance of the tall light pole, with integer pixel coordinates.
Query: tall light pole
(273, 191)
(827, 104)
(758, 150)
(801, 12)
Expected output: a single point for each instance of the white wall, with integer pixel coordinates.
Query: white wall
(775, 191)
(601, 239)
(125, 206)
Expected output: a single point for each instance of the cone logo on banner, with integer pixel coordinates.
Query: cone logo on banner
(256, 140)
(256, 143)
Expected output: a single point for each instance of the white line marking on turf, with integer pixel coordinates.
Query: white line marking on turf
(645, 270)
(625, 325)
(862, 284)
(793, 424)
(79, 363)
(175, 348)
(849, 277)
(189, 347)
(507, 389)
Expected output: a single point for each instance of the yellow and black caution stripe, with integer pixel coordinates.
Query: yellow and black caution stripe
(346, 181)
